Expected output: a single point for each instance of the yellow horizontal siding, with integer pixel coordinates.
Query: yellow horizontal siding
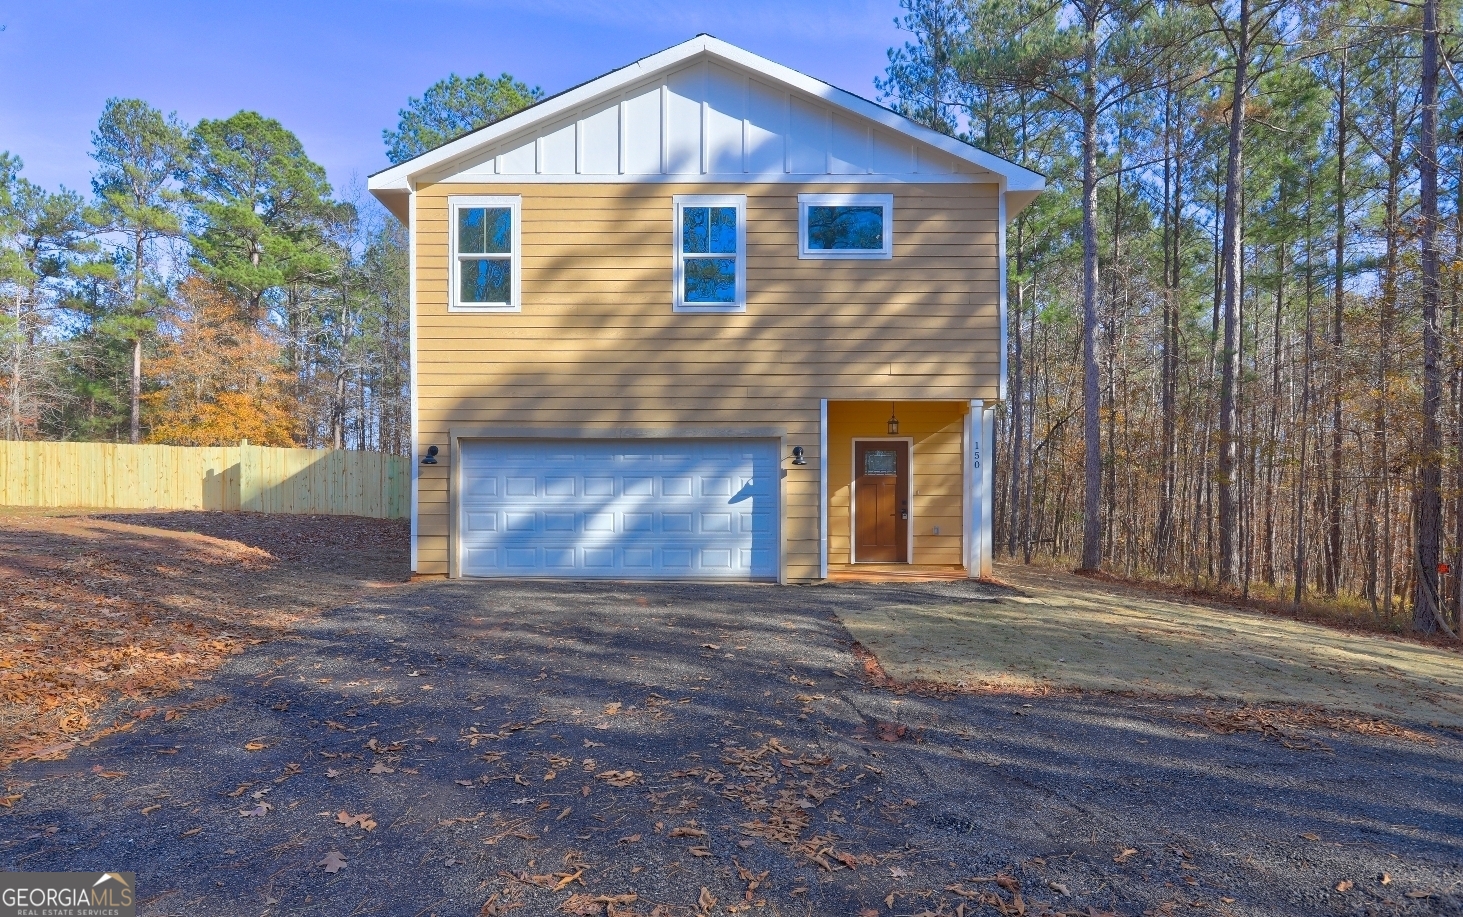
(597, 344)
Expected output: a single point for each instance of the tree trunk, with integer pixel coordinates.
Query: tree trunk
(1299, 527)
(1091, 419)
(1018, 431)
(1333, 530)
(1427, 612)
(1229, 433)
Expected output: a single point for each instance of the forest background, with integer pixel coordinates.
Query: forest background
(1234, 316)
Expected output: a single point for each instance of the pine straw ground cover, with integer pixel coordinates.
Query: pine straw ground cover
(100, 607)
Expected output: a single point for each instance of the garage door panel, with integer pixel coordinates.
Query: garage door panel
(608, 508)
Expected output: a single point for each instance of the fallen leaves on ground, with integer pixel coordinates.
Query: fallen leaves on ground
(1285, 724)
(137, 605)
(363, 820)
(334, 861)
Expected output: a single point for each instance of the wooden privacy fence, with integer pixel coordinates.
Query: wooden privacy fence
(251, 478)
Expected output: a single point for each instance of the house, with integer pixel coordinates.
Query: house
(704, 317)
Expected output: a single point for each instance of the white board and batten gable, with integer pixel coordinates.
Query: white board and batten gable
(705, 111)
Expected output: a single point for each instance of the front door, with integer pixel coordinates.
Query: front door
(881, 501)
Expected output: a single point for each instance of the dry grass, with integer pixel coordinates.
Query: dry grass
(1052, 630)
(106, 606)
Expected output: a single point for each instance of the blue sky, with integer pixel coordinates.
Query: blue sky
(336, 73)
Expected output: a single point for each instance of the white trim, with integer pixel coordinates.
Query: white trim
(719, 178)
(886, 201)
(678, 272)
(399, 176)
(853, 497)
(1001, 259)
(976, 477)
(514, 203)
(411, 299)
(967, 492)
(988, 486)
(823, 489)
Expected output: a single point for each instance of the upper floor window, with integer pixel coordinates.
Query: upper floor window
(711, 250)
(845, 225)
(485, 247)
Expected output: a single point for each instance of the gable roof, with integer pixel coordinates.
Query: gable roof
(391, 185)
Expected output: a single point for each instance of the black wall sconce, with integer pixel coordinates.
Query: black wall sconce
(797, 456)
(431, 458)
(893, 420)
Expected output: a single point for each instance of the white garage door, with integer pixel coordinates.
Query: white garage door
(623, 509)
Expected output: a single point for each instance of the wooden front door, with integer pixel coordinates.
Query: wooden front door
(881, 501)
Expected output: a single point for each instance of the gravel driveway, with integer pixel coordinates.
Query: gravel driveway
(551, 748)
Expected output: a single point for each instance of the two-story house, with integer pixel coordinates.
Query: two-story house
(704, 317)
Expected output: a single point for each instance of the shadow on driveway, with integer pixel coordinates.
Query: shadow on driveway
(543, 748)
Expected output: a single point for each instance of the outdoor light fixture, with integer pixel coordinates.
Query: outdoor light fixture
(431, 458)
(797, 456)
(893, 421)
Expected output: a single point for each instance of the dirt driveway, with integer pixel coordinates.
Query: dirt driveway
(1058, 630)
(99, 607)
(549, 748)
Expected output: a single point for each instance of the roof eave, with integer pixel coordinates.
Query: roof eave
(399, 177)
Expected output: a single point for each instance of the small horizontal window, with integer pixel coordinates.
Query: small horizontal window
(485, 243)
(711, 243)
(845, 225)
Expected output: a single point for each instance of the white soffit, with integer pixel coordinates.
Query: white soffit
(705, 111)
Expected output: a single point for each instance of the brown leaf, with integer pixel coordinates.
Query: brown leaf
(564, 813)
(1311, 836)
(582, 905)
(380, 768)
(567, 879)
(333, 862)
(363, 820)
(1344, 886)
(700, 851)
(630, 839)
(331, 773)
(12, 799)
(255, 745)
(687, 831)
(585, 790)
(1123, 857)
(496, 907)
(591, 744)
(618, 778)
(612, 708)
(890, 732)
(706, 902)
(191, 831)
(148, 810)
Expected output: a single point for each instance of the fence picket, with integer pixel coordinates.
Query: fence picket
(231, 478)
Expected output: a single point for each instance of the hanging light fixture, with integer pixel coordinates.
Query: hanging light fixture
(893, 421)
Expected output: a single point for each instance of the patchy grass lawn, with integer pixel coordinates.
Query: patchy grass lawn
(101, 606)
(1054, 630)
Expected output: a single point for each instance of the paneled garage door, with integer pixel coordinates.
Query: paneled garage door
(662, 509)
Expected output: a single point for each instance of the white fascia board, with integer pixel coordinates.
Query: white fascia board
(1012, 177)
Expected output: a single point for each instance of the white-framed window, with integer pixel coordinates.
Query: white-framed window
(711, 253)
(845, 226)
(485, 254)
